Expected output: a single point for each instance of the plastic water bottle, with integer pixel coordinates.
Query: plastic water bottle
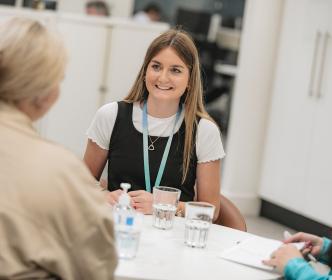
(127, 230)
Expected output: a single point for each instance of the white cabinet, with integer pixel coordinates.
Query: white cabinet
(297, 164)
(320, 172)
(67, 121)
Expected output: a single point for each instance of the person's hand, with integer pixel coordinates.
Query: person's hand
(113, 197)
(281, 256)
(141, 201)
(313, 243)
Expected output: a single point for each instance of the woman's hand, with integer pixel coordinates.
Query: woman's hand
(313, 243)
(113, 197)
(141, 201)
(280, 257)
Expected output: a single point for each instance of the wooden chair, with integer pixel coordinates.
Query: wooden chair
(230, 215)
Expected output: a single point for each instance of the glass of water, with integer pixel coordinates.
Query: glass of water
(199, 217)
(165, 202)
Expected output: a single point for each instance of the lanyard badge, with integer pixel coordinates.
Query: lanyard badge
(146, 151)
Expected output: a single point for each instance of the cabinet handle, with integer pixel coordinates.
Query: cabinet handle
(322, 65)
(103, 89)
(313, 65)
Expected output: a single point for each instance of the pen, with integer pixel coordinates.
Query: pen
(309, 255)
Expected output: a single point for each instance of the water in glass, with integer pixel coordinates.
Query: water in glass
(196, 233)
(163, 215)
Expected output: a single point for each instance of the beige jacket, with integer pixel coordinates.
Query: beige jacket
(53, 220)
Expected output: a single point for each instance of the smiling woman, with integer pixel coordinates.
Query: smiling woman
(166, 81)
(164, 110)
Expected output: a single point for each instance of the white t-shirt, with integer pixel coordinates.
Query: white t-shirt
(208, 140)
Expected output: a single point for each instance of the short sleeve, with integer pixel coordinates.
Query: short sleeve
(101, 127)
(208, 142)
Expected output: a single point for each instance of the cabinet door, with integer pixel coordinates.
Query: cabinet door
(292, 111)
(79, 99)
(128, 47)
(319, 188)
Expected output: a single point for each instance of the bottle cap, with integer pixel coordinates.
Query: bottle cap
(125, 186)
(124, 198)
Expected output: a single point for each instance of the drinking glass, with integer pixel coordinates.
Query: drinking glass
(198, 217)
(165, 202)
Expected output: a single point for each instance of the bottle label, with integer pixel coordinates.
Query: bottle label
(130, 221)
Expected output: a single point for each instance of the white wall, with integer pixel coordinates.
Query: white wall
(122, 8)
(250, 103)
(72, 6)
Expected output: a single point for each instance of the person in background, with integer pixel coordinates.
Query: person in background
(97, 8)
(290, 261)
(150, 13)
(165, 105)
(54, 221)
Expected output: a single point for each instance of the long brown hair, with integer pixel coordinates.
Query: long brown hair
(185, 48)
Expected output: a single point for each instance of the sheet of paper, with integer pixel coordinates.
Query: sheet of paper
(253, 250)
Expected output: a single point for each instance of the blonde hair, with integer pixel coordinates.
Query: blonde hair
(185, 48)
(32, 59)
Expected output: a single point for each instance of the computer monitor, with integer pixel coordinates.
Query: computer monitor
(195, 22)
(47, 4)
(7, 2)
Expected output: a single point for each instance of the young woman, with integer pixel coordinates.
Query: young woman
(290, 262)
(160, 134)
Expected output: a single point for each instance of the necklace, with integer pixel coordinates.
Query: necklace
(151, 146)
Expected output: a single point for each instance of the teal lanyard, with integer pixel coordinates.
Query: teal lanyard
(146, 152)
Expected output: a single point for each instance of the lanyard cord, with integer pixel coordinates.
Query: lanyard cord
(146, 152)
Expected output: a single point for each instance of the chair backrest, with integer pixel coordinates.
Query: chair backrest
(230, 215)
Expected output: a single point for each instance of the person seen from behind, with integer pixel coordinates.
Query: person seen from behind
(54, 222)
(97, 8)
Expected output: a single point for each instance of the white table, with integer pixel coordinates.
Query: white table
(162, 255)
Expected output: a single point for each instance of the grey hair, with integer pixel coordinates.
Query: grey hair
(32, 59)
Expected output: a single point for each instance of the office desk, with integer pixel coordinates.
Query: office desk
(162, 255)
